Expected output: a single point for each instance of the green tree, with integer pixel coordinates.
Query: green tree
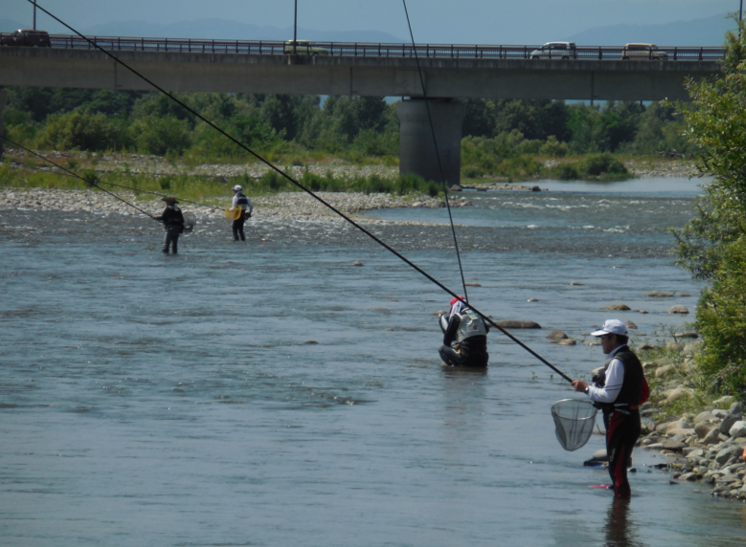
(160, 136)
(81, 130)
(711, 246)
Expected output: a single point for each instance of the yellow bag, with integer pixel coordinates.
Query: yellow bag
(233, 214)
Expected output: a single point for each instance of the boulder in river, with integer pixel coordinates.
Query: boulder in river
(659, 294)
(630, 325)
(577, 283)
(515, 324)
(618, 307)
(557, 335)
(678, 309)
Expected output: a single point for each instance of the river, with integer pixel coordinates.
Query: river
(275, 394)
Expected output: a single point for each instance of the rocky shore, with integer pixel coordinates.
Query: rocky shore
(706, 447)
(285, 205)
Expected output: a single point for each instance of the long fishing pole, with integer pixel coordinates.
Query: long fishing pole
(437, 152)
(308, 191)
(89, 181)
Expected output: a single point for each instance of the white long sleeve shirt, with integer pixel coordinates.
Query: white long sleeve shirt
(614, 381)
(243, 206)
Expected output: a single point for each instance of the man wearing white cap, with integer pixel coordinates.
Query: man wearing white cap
(618, 391)
(239, 200)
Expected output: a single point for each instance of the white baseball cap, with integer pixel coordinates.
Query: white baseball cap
(612, 326)
(237, 188)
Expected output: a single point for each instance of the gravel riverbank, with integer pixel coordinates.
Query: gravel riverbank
(286, 205)
(159, 166)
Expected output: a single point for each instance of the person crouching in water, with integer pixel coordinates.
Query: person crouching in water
(239, 200)
(618, 391)
(464, 326)
(173, 222)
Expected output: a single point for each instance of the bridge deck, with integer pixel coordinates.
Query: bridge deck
(356, 69)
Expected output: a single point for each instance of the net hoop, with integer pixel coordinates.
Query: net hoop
(574, 420)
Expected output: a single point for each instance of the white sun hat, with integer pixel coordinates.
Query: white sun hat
(612, 326)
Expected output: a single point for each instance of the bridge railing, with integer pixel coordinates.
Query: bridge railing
(362, 49)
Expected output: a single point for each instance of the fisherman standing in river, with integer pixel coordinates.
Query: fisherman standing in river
(468, 330)
(173, 222)
(618, 391)
(242, 202)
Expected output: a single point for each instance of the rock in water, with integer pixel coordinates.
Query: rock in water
(513, 324)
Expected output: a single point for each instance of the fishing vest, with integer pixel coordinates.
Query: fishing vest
(175, 219)
(471, 325)
(629, 395)
(242, 201)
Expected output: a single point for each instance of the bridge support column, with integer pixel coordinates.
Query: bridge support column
(416, 147)
(3, 98)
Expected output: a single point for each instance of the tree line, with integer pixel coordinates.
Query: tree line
(300, 129)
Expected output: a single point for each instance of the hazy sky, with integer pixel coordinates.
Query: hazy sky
(445, 21)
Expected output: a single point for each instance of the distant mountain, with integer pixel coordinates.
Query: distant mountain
(231, 30)
(698, 32)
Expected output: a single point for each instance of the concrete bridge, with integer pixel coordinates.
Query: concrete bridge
(448, 72)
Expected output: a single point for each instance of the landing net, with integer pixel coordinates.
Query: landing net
(574, 420)
(189, 221)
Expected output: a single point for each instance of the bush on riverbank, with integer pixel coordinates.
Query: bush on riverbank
(712, 245)
(601, 167)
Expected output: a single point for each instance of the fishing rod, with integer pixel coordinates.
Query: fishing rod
(307, 190)
(437, 152)
(89, 181)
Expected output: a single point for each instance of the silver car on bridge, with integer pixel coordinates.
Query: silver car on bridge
(556, 50)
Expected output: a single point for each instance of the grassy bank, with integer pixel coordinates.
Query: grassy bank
(33, 172)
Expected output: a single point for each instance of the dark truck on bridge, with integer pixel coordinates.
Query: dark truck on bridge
(27, 38)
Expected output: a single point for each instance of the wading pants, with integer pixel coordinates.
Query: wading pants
(622, 432)
(172, 239)
(238, 228)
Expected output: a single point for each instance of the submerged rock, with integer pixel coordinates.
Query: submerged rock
(515, 324)
(678, 309)
(617, 307)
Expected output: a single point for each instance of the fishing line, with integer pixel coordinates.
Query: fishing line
(437, 152)
(308, 191)
(87, 181)
(132, 188)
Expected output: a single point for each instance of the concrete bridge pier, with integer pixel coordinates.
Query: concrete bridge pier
(3, 98)
(416, 147)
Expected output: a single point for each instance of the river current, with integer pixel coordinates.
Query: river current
(275, 394)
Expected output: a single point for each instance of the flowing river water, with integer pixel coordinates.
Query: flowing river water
(274, 394)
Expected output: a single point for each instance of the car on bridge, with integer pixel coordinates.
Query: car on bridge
(27, 38)
(556, 50)
(303, 47)
(643, 52)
